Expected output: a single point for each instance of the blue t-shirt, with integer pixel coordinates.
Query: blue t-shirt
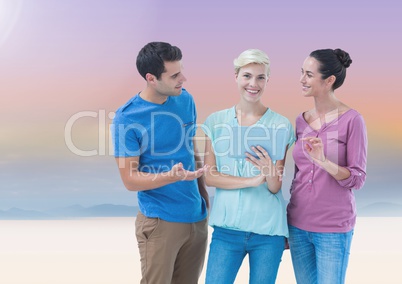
(251, 209)
(162, 136)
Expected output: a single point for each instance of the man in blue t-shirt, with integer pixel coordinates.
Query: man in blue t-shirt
(156, 155)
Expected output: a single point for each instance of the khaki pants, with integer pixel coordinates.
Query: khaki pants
(171, 253)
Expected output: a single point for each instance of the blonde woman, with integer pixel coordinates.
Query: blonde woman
(248, 213)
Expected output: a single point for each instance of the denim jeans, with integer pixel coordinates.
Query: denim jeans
(319, 258)
(228, 249)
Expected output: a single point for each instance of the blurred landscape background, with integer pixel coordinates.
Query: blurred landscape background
(66, 66)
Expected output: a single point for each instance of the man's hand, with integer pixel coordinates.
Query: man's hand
(179, 173)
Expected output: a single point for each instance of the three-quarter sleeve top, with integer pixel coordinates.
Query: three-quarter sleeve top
(319, 202)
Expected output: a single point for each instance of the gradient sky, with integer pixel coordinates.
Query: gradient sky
(76, 58)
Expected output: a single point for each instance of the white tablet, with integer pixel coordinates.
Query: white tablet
(273, 140)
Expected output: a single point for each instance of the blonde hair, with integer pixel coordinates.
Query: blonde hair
(252, 56)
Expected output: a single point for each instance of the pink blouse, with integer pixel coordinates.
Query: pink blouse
(318, 202)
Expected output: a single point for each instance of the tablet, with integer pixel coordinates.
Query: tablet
(273, 140)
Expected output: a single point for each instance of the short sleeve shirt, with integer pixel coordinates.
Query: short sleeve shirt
(254, 209)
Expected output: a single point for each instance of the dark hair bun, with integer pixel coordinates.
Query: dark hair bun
(343, 57)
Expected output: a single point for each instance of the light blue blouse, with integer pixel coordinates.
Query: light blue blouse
(250, 209)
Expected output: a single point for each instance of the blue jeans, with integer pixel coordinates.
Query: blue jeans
(319, 258)
(228, 249)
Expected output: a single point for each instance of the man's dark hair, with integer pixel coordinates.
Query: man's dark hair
(152, 56)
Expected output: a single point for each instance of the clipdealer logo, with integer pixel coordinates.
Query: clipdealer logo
(185, 131)
(103, 138)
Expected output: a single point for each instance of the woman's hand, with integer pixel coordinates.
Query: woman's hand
(269, 170)
(263, 163)
(315, 148)
(256, 180)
